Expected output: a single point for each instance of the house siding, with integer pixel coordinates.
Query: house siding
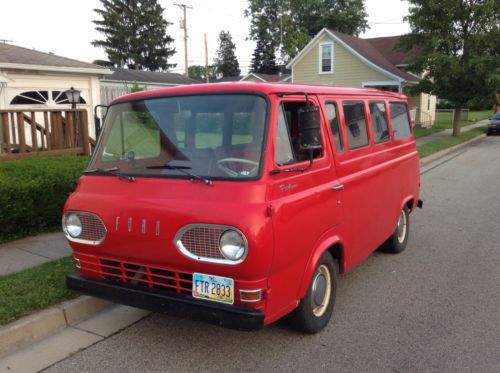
(348, 70)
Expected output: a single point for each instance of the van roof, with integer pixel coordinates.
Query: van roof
(266, 88)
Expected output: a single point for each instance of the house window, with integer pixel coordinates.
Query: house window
(42, 98)
(326, 58)
(30, 98)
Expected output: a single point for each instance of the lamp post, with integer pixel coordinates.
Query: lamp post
(74, 98)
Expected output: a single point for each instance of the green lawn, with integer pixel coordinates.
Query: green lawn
(448, 141)
(444, 121)
(24, 292)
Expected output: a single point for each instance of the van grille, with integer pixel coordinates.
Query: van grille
(201, 240)
(93, 228)
(147, 276)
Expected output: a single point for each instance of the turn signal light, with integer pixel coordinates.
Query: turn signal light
(250, 295)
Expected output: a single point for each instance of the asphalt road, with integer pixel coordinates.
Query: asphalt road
(433, 308)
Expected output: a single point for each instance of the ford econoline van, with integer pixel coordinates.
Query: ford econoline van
(239, 203)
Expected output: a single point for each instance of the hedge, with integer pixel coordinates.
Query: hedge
(33, 191)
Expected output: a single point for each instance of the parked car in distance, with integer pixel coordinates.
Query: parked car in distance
(494, 125)
(239, 203)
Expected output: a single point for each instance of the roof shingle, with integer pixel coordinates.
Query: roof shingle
(19, 55)
(127, 75)
(365, 48)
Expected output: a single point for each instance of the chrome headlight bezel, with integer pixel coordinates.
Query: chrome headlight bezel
(233, 245)
(79, 238)
(72, 225)
(200, 258)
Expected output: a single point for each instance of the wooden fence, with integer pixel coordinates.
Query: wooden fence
(44, 132)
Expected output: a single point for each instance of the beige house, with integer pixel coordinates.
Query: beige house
(334, 58)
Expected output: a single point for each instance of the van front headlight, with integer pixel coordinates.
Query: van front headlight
(233, 245)
(72, 225)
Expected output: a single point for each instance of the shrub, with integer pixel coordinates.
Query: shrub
(33, 191)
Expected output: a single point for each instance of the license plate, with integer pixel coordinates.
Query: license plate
(214, 288)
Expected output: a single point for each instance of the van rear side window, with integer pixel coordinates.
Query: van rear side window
(400, 122)
(355, 121)
(333, 120)
(378, 116)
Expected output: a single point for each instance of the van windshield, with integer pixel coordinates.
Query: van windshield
(217, 136)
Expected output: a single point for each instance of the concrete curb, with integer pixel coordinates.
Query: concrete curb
(431, 158)
(26, 330)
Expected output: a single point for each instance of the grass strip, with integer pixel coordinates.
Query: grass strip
(421, 132)
(34, 288)
(448, 141)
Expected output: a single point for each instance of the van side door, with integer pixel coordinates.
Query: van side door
(303, 202)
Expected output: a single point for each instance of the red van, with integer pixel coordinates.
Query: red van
(239, 203)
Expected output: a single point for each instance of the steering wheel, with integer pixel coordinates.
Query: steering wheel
(231, 172)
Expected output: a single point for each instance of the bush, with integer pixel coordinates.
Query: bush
(33, 192)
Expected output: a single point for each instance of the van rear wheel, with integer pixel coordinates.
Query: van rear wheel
(315, 309)
(397, 242)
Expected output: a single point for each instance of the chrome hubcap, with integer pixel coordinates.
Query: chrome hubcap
(402, 225)
(321, 290)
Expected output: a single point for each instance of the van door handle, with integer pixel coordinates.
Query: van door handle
(338, 187)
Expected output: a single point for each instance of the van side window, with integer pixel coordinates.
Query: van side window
(333, 120)
(400, 121)
(283, 152)
(378, 116)
(355, 121)
(288, 116)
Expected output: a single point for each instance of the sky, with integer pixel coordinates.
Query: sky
(65, 28)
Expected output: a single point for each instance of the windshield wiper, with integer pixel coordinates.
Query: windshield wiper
(110, 171)
(181, 169)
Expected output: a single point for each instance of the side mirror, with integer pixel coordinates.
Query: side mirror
(309, 128)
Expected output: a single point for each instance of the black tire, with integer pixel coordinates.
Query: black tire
(397, 242)
(312, 315)
(489, 133)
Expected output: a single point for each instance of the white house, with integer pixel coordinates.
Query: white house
(30, 79)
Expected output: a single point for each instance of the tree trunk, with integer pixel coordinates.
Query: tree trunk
(456, 121)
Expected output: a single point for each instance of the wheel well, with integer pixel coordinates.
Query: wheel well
(337, 252)
(409, 204)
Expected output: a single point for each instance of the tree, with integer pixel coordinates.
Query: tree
(135, 34)
(197, 72)
(103, 63)
(290, 24)
(263, 58)
(458, 43)
(226, 60)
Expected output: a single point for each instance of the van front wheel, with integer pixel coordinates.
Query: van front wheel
(399, 239)
(315, 309)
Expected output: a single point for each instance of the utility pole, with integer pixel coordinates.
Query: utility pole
(206, 60)
(184, 26)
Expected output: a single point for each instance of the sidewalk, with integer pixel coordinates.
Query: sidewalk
(28, 252)
(436, 136)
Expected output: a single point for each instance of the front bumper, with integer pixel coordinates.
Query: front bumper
(181, 305)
